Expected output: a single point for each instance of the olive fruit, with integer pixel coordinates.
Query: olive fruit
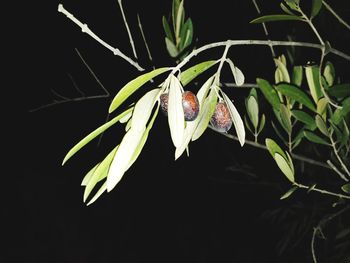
(190, 105)
(221, 119)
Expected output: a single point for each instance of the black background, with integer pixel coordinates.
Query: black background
(192, 210)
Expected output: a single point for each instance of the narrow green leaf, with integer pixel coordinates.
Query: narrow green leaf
(167, 29)
(313, 80)
(315, 138)
(87, 177)
(269, 93)
(246, 122)
(208, 111)
(285, 118)
(173, 52)
(346, 188)
(100, 173)
(144, 138)
(236, 72)
(316, 7)
(285, 9)
(289, 193)
(278, 75)
(296, 94)
(174, 12)
(322, 106)
(93, 135)
(132, 86)
(280, 17)
(329, 73)
(191, 126)
(236, 119)
(176, 118)
(262, 123)
(143, 109)
(293, 4)
(273, 148)
(123, 157)
(189, 74)
(303, 117)
(283, 69)
(340, 114)
(282, 163)
(321, 125)
(340, 90)
(186, 34)
(297, 77)
(102, 189)
(179, 17)
(253, 111)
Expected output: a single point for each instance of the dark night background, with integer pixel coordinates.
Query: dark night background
(197, 209)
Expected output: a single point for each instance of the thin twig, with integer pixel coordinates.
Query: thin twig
(92, 72)
(258, 43)
(321, 191)
(85, 29)
(144, 39)
(127, 28)
(338, 157)
(342, 176)
(319, 227)
(84, 97)
(75, 85)
(331, 10)
(261, 146)
(265, 28)
(222, 60)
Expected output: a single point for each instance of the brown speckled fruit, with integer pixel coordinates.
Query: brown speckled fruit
(221, 119)
(190, 105)
(164, 103)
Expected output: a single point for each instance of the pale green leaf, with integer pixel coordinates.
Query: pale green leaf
(285, 118)
(94, 134)
(269, 92)
(297, 77)
(313, 80)
(279, 17)
(285, 9)
(179, 18)
(87, 177)
(339, 114)
(143, 109)
(329, 73)
(253, 111)
(289, 193)
(236, 119)
(322, 106)
(321, 125)
(283, 69)
(127, 117)
(144, 138)
(176, 118)
(128, 125)
(100, 191)
(246, 122)
(134, 85)
(100, 173)
(191, 126)
(172, 49)
(293, 4)
(189, 74)
(296, 94)
(262, 123)
(284, 167)
(175, 8)
(123, 157)
(208, 111)
(273, 148)
(236, 72)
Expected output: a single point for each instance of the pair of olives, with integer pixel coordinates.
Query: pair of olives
(221, 119)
